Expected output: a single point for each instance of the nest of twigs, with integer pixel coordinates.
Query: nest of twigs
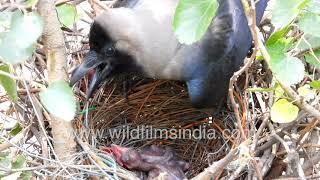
(155, 105)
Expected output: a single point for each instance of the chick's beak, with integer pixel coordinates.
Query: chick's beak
(92, 61)
(118, 152)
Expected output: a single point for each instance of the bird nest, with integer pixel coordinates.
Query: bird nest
(157, 112)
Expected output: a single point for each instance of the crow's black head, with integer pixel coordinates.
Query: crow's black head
(129, 41)
(105, 58)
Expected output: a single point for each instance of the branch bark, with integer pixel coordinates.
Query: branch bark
(64, 141)
(214, 170)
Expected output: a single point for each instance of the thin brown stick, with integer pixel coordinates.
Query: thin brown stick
(215, 169)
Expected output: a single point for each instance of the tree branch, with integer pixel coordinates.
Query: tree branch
(64, 142)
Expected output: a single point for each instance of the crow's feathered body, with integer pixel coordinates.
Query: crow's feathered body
(124, 3)
(141, 34)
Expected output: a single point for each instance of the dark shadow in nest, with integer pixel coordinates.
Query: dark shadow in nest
(159, 112)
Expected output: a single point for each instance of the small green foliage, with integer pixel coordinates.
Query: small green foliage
(27, 27)
(310, 23)
(278, 35)
(287, 69)
(4, 160)
(5, 19)
(315, 84)
(278, 92)
(283, 111)
(67, 14)
(17, 44)
(8, 83)
(25, 175)
(310, 58)
(314, 6)
(16, 129)
(192, 19)
(59, 100)
(306, 92)
(18, 162)
(312, 42)
(284, 12)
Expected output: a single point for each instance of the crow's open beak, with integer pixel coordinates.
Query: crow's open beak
(92, 61)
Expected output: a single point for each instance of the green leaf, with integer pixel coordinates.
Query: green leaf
(284, 12)
(59, 100)
(25, 175)
(278, 92)
(192, 19)
(26, 28)
(18, 44)
(8, 83)
(16, 129)
(314, 6)
(279, 47)
(5, 19)
(19, 162)
(67, 14)
(4, 161)
(278, 35)
(310, 23)
(314, 41)
(312, 60)
(315, 84)
(283, 111)
(306, 92)
(259, 56)
(287, 69)
(11, 53)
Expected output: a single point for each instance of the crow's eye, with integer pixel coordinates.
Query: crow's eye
(109, 51)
